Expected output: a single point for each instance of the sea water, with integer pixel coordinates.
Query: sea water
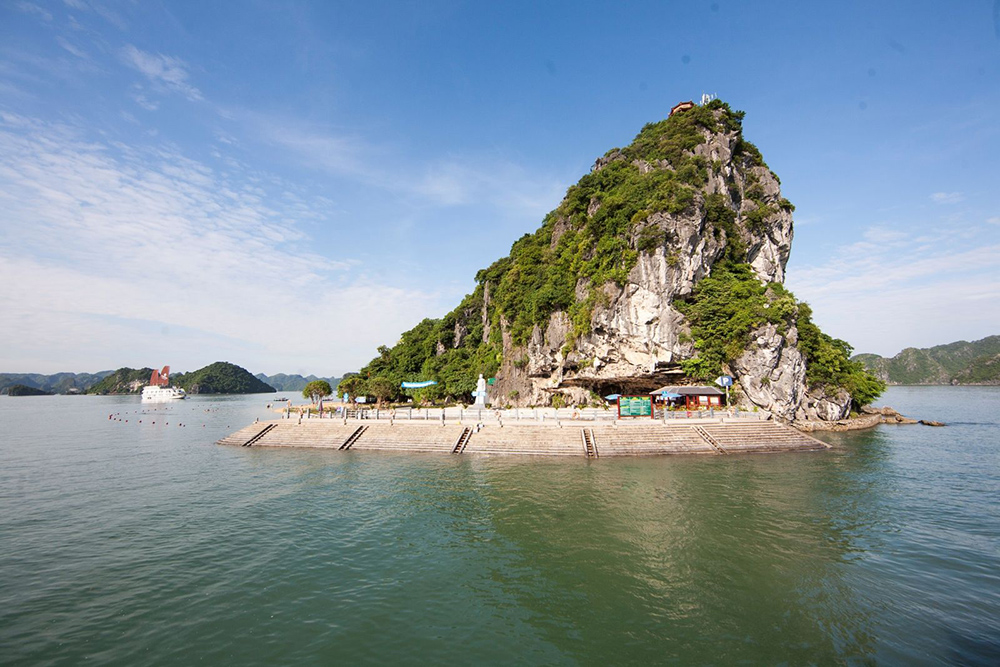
(138, 543)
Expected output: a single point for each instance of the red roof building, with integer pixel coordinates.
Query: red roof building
(683, 106)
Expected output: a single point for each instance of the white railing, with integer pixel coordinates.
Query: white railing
(540, 415)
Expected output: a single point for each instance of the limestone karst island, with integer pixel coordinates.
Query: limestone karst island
(657, 285)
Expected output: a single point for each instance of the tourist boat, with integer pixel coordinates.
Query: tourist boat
(159, 389)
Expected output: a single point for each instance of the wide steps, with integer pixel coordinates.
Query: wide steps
(547, 441)
(761, 437)
(243, 436)
(323, 436)
(650, 440)
(536, 440)
(423, 438)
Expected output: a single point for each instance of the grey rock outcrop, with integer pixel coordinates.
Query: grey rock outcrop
(637, 338)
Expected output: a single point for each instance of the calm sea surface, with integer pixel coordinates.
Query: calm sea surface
(129, 543)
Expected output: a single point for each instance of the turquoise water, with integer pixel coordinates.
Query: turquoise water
(128, 543)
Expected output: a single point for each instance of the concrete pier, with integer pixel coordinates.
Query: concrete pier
(708, 437)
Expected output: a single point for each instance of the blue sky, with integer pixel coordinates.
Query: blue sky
(289, 185)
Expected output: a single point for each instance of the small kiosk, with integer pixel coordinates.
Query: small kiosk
(693, 397)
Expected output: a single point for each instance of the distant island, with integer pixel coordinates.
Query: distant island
(956, 363)
(218, 378)
(283, 382)
(221, 377)
(23, 390)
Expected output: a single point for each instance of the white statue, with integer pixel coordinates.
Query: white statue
(480, 392)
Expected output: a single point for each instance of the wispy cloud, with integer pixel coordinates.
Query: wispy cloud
(995, 220)
(145, 102)
(947, 197)
(450, 181)
(921, 291)
(165, 71)
(71, 48)
(35, 10)
(99, 240)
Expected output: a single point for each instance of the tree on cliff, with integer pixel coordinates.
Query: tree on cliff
(316, 390)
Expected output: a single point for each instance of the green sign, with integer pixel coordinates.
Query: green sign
(491, 381)
(635, 406)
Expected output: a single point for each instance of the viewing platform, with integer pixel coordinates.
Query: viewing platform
(717, 436)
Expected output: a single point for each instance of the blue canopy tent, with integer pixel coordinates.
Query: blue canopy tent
(417, 385)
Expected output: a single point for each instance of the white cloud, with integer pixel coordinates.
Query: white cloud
(883, 235)
(68, 46)
(36, 10)
(454, 181)
(145, 102)
(170, 73)
(995, 220)
(99, 243)
(947, 197)
(882, 297)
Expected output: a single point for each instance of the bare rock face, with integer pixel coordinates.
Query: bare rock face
(637, 337)
(772, 376)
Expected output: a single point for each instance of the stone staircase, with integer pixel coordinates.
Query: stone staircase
(649, 440)
(761, 437)
(324, 435)
(410, 438)
(536, 441)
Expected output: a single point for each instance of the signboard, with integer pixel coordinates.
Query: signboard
(491, 381)
(724, 381)
(635, 406)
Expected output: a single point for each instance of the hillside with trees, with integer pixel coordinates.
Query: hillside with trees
(961, 362)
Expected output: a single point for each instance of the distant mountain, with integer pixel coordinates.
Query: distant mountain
(122, 381)
(960, 362)
(21, 390)
(283, 382)
(218, 378)
(57, 383)
(221, 377)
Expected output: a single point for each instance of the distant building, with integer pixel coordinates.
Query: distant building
(683, 106)
(692, 396)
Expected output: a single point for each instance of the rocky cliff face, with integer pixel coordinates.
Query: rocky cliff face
(608, 295)
(637, 338)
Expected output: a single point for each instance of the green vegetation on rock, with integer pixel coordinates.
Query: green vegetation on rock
(592, 241)
(728, 305)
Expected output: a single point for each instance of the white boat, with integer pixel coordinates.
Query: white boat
(155, 394)
(159, 389)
